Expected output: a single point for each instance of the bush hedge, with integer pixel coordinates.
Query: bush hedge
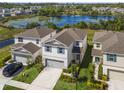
(67, 78)
(104, 77)
(98, 85)
(91, 69)
(100, 72)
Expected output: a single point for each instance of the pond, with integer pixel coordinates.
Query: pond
(6, 42)
(59, 21)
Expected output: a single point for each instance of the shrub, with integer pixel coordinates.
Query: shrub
(67, 78)
(104, 77)
(67, 70)
(97, 85)
(100, 72)
(91, 68)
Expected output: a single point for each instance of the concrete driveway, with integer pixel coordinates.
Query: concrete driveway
(47, 79)
(3, 80)
(116, 85)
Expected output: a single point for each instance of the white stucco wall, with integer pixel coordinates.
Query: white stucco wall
(70, 55)
(27, 40)
(84, 43)
(119, 63)
(55, 56)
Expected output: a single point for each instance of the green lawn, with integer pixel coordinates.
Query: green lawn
(8, 87)
(28, 75)
(4, 52)
(6, 33)
(62, 85)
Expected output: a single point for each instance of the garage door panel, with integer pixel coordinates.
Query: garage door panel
(55, 63)
(116, 75)
(21, 58)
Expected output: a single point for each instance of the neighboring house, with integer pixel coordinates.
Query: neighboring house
(108, 48)
(30, 43)
(57, 49)
(65, 47)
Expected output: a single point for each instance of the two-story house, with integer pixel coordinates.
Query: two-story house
(108, 48)
(28, 44)
(66, 46)
(57, 49)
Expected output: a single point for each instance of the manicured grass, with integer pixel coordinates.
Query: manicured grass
(4, 52)
(8, 87)
(6, 33)
(62, 85)
(28, 75)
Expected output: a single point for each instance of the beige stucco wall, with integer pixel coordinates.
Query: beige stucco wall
(119, 63)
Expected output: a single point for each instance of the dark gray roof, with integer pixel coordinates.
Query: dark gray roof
(68, 36)
(111, 41)
(77, 50)
(36, 32)
(17, 45)
(96, 52)
(29, 47)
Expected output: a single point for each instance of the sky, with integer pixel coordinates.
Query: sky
(63, 1)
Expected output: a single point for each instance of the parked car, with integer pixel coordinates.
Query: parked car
(12, 69)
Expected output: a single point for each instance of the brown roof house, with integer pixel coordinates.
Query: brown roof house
(28, 44)
(66, 46)
(108, 48)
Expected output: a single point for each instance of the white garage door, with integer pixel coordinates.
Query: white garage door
(55, 63)
(116, 75)
(22, 59)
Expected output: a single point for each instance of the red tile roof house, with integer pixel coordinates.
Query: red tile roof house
(108, 47)
(57, 49)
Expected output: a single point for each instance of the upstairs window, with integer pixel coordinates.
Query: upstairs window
(37, 41)
(77, 43)
(61, 50)
(48, 48)
(111, 57)
(98, 45)
(20, 39)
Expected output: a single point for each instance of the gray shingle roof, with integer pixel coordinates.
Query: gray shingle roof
(96, 52)
(111, 41)
(29, 47)
(68, 36)
(36, 32)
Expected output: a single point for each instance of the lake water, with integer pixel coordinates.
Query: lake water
(6, 42)
(59, 21)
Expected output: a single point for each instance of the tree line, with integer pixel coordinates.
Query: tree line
(114, 25)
